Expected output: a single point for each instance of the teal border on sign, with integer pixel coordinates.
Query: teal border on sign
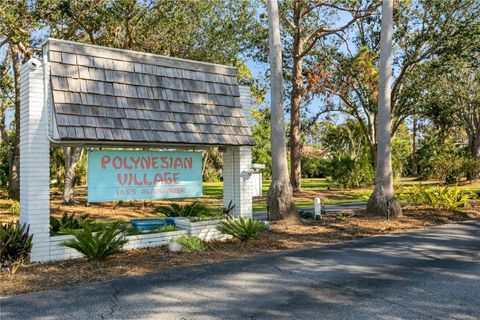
(115, 175)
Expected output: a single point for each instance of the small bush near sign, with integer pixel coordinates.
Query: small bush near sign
(67, 222)
(99, 245)
(193, 209)
(15, 246)
(191, 243)
(241, 228)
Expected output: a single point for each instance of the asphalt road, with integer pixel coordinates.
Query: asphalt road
(428, 274)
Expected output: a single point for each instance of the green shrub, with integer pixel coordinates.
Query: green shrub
(313, 167)
(348, 172)
(342, 216)
(472, 168)
(445, 161)
(131, 231)
(437, 197)
(241, 228)
(99, 245)
(57, 226)
(15, 208)
(191, 243)
(306, 214)
(4, 165)
(15, 246)
(193, 209)
(454, 175)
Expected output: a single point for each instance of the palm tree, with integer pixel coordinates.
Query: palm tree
(279, 197)
(381, 202)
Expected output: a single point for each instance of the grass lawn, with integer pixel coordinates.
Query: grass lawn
(213, 198)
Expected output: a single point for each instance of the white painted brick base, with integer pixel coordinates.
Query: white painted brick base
(59, 252)
(237, 180)
(34, 160)
(205, 230)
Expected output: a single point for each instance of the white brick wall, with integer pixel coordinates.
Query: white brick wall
(34, 161)
(205, 230)
(59, 252)
(237, 181)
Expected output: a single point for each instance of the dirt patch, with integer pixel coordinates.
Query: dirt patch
(348, 225)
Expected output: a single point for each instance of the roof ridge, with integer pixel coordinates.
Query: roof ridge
(139, 52)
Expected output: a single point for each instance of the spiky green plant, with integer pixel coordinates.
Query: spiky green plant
(193, 209)
(437, 197)
(68, 222)
(228, 209)
(241, 228)
(15, 245)
(98, 245)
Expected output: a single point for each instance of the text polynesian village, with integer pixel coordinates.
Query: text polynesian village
(164, 165)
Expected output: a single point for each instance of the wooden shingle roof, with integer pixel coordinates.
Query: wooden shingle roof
(103, 94)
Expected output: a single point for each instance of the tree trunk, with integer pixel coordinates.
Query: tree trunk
(475, 145)
(382, 202)
(3, 125)
(279, 197)
(72, 155)
(296, 104)
(414, 148)
(14, 174)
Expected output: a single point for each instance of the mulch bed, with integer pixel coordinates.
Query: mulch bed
(348, 225)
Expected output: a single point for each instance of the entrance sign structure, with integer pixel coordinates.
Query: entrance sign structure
(85, 95)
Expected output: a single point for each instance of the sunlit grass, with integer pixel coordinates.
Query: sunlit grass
(213, 198)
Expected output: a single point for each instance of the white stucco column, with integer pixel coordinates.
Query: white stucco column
(237, 182)
(34, 159)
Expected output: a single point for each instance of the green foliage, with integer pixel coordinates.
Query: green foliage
(342, 216)
(58, 226)
(440, 158)
(348, 172)
(4, 167)
(212, 164)
(346, 138)
(437, 197)
(15, 245)
(241, 228)
(207, 218)
(401, 152)
(99, 245)
(261, 152)
(131, 231)
(314, 167)
(57, 168)
(81, 170)
(15, 208)
(191, 243)
(306, 214)
(228, 209)
(193, 209)
(472, 168)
